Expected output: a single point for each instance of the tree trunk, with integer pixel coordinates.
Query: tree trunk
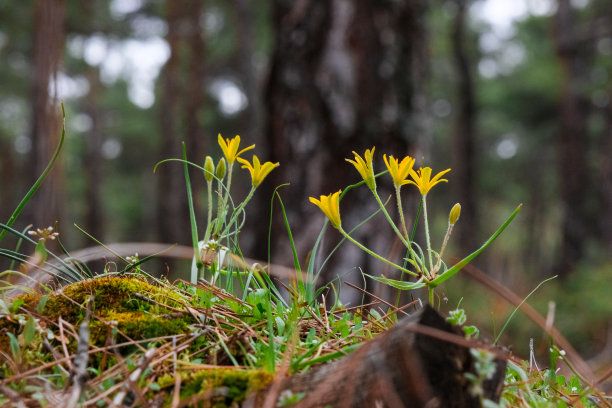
(463, 153)
(172, 213)
(49, 32)
(193, 90)
(343, 78)
(605, 177)
(93, 162)
(573, 173)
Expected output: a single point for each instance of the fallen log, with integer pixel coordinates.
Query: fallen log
(421, 362)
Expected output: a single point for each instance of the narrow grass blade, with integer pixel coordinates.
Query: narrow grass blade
(192, 219)
(310, 277)
(296, 261)
(519, 306)
(41, 178)
(19, 242)
(402, 285)
(73, 273)
(457, 267)
(145, 259)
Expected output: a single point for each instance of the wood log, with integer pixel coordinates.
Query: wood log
(420, 362)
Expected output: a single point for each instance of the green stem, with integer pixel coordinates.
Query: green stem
(222, 200)
(400, 211)
(209, 216)
(431, 295)
(446, 237)
(374, 254)
(241, 206)
(384, 210)
(427, 233)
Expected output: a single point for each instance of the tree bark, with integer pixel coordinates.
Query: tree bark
(93, 163)
(463, 153)
(573, 171)
(343, 78)
(173, 213)
(49, 33)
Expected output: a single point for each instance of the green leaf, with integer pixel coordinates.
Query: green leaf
(15, 349)
(402, 285)
(40, 179)
(457, 317)
(29, 331)
(471, 332)
(280, 325)
(457, 267)
(16, 305)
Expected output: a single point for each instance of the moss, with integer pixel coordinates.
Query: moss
(110, 294)
(115, 300)
(237, 383)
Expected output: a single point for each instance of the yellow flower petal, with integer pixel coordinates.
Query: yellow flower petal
(364, 167)
(422, 179)
(330, 205)
(399, 170)
(230, 148)
(258, 171)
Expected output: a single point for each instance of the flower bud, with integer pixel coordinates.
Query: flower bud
(221, 169)
(209, 169)
(455, 212)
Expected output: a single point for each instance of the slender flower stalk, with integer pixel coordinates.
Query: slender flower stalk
(375, 255)
(400, 210)
(452, 219)
(330, 205)
(430, 273)
(424, 182)
(403, 238)
(209, 174)
(399, 172)
(230, 151)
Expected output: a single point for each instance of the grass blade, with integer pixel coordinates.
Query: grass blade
(457, 267)
(519, 306)
(40, 180)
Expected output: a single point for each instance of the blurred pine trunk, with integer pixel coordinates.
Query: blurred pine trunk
(572, 139)
(183, 97)
(49, 35)
(345, 75)
(463, 153)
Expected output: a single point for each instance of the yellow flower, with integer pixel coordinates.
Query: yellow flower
(423, 181)
(257, 170)
(330, 205)
(364, 167)
(230, 148)
(399, 171)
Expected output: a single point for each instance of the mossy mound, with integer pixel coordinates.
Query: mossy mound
(137, 309)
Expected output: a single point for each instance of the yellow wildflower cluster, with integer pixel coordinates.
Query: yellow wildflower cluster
(400, 171)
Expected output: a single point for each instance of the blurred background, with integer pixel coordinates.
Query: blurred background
(514, 96)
